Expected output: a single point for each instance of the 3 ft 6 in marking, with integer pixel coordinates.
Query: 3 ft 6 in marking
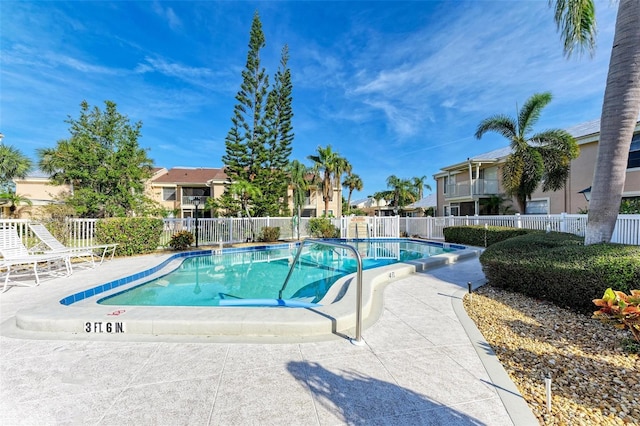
(104, 327)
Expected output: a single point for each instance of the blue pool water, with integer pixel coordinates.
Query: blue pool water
(230, 278)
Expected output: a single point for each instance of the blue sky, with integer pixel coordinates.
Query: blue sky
(395, 87)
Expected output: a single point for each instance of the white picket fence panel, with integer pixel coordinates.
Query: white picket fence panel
(216, 231)
(627, 230)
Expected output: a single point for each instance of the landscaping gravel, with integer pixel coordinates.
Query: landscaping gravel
(594, 381)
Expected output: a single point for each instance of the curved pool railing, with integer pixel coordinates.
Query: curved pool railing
(358, 338)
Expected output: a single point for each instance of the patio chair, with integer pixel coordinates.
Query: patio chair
(18, 261)
(86, 254)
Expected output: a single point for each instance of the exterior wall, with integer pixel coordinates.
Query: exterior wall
(40, 192)
(567, 200)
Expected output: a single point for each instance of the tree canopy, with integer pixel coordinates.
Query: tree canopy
(258, 145)
(328, 167)
(539, 158)
(102, 162)
(13, 164)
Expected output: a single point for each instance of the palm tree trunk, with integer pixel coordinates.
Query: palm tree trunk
(619, 116)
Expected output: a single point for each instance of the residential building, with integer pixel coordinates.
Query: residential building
(176, 188)
(37, 188)
(423, 207)
(474, 186)
(373, 207)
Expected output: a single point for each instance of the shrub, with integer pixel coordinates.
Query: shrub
(270, 234)
(181, 240)
(559, 268)
(321, 227)
(479, 236)
(621, 309)
(134, 235)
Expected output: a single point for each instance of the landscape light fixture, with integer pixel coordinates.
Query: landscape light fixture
(587, 193)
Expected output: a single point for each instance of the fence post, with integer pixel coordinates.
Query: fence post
(563, 222)
(518, 221)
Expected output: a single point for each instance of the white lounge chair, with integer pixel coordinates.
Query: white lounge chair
(17, 260)
(86, 254)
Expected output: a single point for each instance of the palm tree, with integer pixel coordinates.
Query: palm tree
(542, 157)
(328, 167)
(245, 191)
(420, 184)
(298, 180)
(13, 164)
(401, 193)
(353, 183)
(14, 200)
(620, 108)
(377, 196)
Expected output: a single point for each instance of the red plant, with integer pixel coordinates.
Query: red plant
(620, 308)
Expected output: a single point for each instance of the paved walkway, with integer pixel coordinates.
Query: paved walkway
(424, 363)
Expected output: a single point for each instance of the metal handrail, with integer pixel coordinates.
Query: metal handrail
(358, 339)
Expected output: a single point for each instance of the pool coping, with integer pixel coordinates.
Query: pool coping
(87, 320)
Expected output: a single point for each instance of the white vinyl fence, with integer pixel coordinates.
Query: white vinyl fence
(627, 230)
(216, 231)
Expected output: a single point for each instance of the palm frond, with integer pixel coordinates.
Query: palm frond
(576, 22)
(530, 112)
(502, 124)
(558, 139)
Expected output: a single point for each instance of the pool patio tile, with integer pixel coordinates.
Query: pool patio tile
(172, 402)
(264, 396)
(421, 364)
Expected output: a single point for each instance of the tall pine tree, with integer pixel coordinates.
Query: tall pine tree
(258, 145)
(280, 137)
(245, 142)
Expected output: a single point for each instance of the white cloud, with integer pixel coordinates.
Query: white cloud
(174, 22)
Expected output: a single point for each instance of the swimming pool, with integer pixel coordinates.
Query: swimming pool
(79, 316)
(236, 278)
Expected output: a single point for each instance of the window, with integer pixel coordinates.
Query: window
(168, 194)
(452, 210)
(449, 183)
(634, 153)
(537, 207)
(480, 174)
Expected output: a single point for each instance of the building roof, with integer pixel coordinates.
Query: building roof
(585, 129)
(430, 200)
(201, 175)
(36, 174)
(579, 131)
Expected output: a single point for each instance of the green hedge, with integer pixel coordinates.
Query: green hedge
(321, 227)
(270, 234)
(475, 235)
(558, 267)
(134, 235)
(181, 240)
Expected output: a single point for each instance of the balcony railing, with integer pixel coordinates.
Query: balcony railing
(480, 187)
(187, 200)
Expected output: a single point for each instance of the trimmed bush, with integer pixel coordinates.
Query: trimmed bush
(134, 235)
(181, 240)
(558, 267)
(270, 234)
(321, 227)
(475, 235)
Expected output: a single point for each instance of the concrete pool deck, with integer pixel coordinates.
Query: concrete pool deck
(423, 362)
